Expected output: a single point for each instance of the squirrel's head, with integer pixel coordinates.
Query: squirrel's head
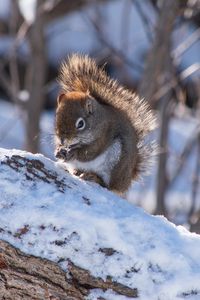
(78, 122)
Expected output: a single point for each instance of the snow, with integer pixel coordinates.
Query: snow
(23, 95)
(28, 10)
(108, 295)
(182, 127)
(12, 134)
(149, 253)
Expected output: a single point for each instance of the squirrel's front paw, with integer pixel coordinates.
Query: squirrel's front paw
(64, 154)
(92, 177)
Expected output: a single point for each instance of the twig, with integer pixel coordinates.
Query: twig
(162, 178)
(6, 82)
(11, 88)
(115, 51)
(48, 6)
(6, 128)
(14, 74)
(189, 71)
(186, 152)
(156, 60)
(193, 38)
(166, 87)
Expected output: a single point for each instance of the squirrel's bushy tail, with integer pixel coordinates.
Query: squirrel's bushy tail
(81, 73)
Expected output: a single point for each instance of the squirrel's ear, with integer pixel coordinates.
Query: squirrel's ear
(89, 106)
(59, 98)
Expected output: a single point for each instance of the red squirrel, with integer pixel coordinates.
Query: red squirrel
(100, 126)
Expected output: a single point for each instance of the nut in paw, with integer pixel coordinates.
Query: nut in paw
(64, 154)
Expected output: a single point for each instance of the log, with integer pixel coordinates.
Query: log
(64, 238)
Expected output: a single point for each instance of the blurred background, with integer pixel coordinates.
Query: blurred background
(150, 46)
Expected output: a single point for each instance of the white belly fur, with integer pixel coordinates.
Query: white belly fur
(102, 164)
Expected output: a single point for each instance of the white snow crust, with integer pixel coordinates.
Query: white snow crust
(149, 253)
(28, 9)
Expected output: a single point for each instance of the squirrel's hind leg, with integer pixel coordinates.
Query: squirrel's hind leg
(90, 176)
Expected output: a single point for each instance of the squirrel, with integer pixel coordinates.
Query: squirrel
(100, 126)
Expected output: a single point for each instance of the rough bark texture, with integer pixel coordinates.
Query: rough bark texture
(32, 166)
(27, 277)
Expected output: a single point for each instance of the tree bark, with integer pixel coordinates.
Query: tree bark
(32, 278)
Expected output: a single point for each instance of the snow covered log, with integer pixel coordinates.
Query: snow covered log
(24, 276)
(64, 238)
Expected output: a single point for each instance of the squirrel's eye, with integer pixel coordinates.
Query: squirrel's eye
(80, 124)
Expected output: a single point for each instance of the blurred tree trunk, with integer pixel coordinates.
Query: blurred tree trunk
(156, 74)
(157, 60)
(63, 7)
(36, 80)
(36, 72)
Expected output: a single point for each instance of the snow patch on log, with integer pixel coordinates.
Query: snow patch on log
(46, 212)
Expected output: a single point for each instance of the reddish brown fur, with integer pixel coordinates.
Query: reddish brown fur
(114, 123)
(68, 105)
(119, 114)
(73, 96)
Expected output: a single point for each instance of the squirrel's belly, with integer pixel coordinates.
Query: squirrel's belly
(102, 165)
